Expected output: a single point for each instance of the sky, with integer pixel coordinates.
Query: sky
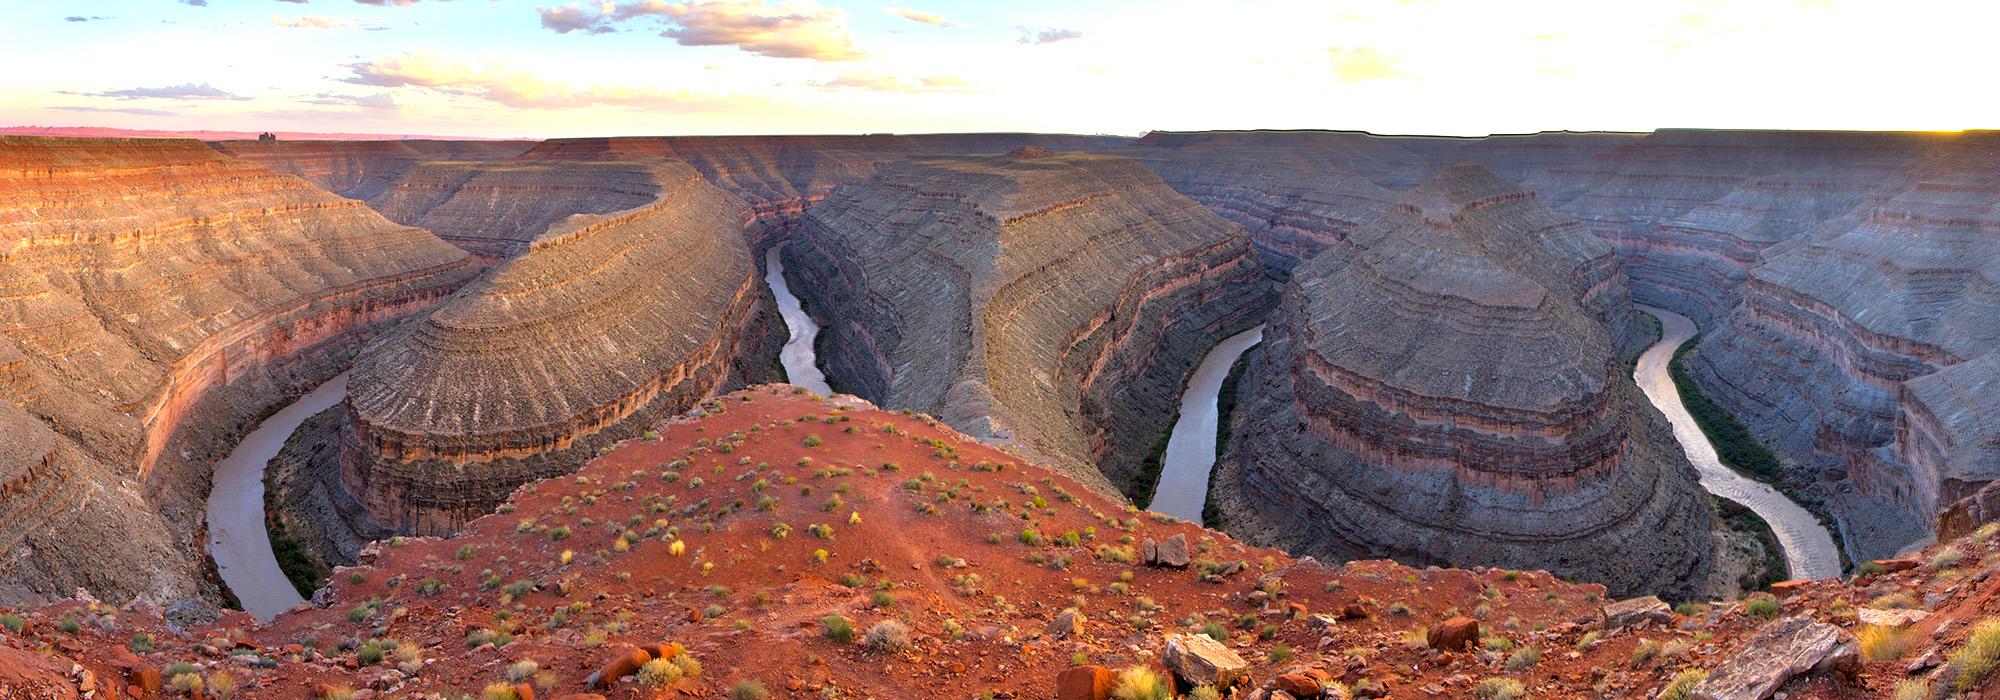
(497, 68)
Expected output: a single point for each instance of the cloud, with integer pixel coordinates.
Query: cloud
(195, 3)
(188, 91)
(313, 22)
(1362, 64)
(378, 101)
(120, 110)
(922, 17)
(295, 2)
(381, 3)
(496, 82)
(79, 18)
(878, 82)
(800, 29)
(1046, 35)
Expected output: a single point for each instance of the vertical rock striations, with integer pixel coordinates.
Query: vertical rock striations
(607, 321)
(1444, 387)
(1049, 302)
(155, 297)
(1819, 357)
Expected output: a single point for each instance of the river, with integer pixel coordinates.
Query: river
(236, 534)
(1809, 550)
(1183, 487)
(797, 356)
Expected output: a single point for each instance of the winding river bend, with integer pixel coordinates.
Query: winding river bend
(236, 535)
(1809, 550)
(797, 356)
(1183, 487)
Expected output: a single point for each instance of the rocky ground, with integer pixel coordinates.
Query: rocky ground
(756, 538)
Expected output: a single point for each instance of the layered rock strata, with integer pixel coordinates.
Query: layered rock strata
(158, 296)
(363, 169)
(1443, 387)
(1049, 302)
(1822, 357)
(607, 321)
(496, 209)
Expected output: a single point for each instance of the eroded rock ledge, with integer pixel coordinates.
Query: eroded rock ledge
(155, 298)
(606, 322)
(1049, 302)
(1444, 387)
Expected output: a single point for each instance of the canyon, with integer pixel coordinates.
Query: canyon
(1451, 334)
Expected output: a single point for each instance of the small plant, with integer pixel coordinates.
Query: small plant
(748, 690)
(838, 628)
(1215, 631)
(369, 653)
(659, 673)
(888, 636)
(1140, 683)
(1682, 686)
(882, 599)
(1031, 538)
(1645, 651)
(69, 625)
(1498, 688)
(188, 684)
(1946, 558)
(1523, 659)
(141, 643)
(1208, 692)
(1279, 655)
(499, 691)
(1913, 689)
(1884, 642)
(1765, 608)
(13, 623)
(1980, 655)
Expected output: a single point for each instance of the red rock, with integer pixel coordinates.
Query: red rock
(146, 679)
(1788, 588)
(1300, 685)
(523, 691)
(1894, 565)
(580, 696)
(1085, 683)
(626, 662)
(1455, 634)
(1353, 611)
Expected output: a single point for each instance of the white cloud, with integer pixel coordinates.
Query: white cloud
(800, 29)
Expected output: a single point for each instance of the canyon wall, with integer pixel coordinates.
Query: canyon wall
(495, 209)
(158, 298)
(362, 169)
(606, 322)
(1444, 386)
(1826, 357)
(1049, 302)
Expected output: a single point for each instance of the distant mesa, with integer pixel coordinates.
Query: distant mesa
(1445, 386)
(1051, 304)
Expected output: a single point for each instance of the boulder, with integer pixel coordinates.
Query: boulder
(1085, 683)
(1458, 633)
(1150, 551)
(1773, 656)
(1173, 552)
(1890, 617)
(146, 679)
(1199, 660)
(1636, 612)
(1789, 588)
(1066, 625)
(1890, 566)
(624, 662)
(1300, 685)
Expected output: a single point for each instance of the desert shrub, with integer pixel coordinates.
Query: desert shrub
(1279, 655)
(888, 636)
(1761, 607)
(837, 628)
(188, 684)
(1499, 688)
(499, 691)
(1204, 692)
(1980, 655)
(369, 653)
(1946, 558)
(1682, 686)
(659, 673)
(1913, 689)
(748, 690)
(1884, 642)
(1523, 658)
(1215, 631)
(1140, 683)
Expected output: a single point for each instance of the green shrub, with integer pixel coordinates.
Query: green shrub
(1523, 658)
(1140, 683)
(1980, 655)
(748, 690)
(1498, 688)
(1761, 607)
(837, 628)
(888, 636)
(1682, 686)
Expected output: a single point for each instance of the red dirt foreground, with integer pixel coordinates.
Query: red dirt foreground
(781, 545)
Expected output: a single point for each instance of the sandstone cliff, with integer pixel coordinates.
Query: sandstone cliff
(495, 209)
(1444, 387)
(1816, 357)
(362, 169)
(159, 297)
(606, 321)
(1049, 302)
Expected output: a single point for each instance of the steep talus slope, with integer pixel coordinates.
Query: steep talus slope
(967, 574)
(607, 320)
(1050, 302)
(494, 209)
(158, 296)
(1444, 387)
(782, 175)
(1815, 358)
(362, 170)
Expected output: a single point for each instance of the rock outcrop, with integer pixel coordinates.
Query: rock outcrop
(1051, 303)
(1822, 358)
(496, 209)
(158, 296)
(605, 322)
(1445, 386)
